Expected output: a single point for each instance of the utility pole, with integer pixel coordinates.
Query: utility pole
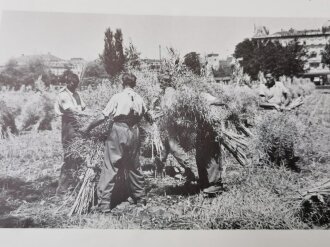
(160, 57)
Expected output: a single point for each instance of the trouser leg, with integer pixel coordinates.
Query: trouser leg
(135, 177)
(107, 178)
(113, 154)
(208, 159)
(161, 158)
(177, 151)
(182, 158)
(68, 174)
(135, 181)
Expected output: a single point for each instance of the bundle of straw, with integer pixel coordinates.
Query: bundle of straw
(315, 204)
(295, 103)
(320, 192)
(236, 145)
(86, 195)
(156, 141)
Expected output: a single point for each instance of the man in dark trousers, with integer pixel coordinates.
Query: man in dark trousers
(68, 105)
(208, 153)
(171, 142)
(122, 147)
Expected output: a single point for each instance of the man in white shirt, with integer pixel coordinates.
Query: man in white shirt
(273, 94)
(122, 147)
(68, 105)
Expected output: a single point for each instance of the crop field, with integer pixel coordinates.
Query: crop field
(255, 197)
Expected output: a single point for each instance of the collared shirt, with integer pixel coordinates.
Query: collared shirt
(68, 100)
(125, 103)
(275, 94)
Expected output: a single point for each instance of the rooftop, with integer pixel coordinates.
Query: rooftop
(262, 32)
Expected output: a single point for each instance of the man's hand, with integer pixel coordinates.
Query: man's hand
(85, 131)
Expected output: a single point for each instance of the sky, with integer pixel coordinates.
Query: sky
(68, 35)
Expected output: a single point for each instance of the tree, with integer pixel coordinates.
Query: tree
(95, 69)
(326, 55)
(224, 70)
(113, 55)
(270, 57)
(132, 56)
(119, 50)
(247, 50)
(294, 61)
(191, 60)
(15, 75)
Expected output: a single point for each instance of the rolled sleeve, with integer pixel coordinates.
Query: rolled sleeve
(65, 102)
(111, 107)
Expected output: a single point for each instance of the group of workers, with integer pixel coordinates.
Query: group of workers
(122, 146)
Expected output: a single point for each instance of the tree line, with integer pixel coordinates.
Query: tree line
(255, 56)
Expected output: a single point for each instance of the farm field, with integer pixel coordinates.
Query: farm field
(254, 197)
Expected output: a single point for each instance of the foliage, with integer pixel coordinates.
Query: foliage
(277, 138)
(7, 121)
(191, 60)
(256, 197)
(271, 57)
(113, 55)
(224, 70)
(132, 57)
(95, 69)
(15, 75)
(37, 113)
(326, 55)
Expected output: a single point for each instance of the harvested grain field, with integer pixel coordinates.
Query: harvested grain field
(254, 197)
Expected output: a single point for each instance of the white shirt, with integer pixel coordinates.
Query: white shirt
(125, 103)
(66, 100)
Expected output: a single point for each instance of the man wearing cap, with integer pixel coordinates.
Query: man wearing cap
(273, 94)
(68, 105)
(122, 147)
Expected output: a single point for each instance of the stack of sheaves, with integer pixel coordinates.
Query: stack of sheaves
(191, 111)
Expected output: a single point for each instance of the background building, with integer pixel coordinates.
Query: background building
(314, 40)
(56, 65)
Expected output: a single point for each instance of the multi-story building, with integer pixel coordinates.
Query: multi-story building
(153, 64)
(56, 65)
(314, 40)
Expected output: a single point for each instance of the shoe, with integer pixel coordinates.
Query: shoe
(213, 189)
(189, 175)
(141, 202)
(103, 208)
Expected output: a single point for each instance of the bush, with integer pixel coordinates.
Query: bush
(37, 113)
(277, 136)
(7, 121)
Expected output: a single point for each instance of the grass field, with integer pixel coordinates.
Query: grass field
(254, 197)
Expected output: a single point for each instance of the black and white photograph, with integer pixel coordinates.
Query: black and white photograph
(164, 122)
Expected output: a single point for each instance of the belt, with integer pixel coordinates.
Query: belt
(129, 120)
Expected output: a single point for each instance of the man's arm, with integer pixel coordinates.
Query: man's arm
(217, 102)
(94, 123)
(211, 100)
(269, 106)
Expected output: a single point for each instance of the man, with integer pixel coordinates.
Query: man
(122, 147)
(68, 105)
(273, 94)
(208, 153)
(171, 143)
